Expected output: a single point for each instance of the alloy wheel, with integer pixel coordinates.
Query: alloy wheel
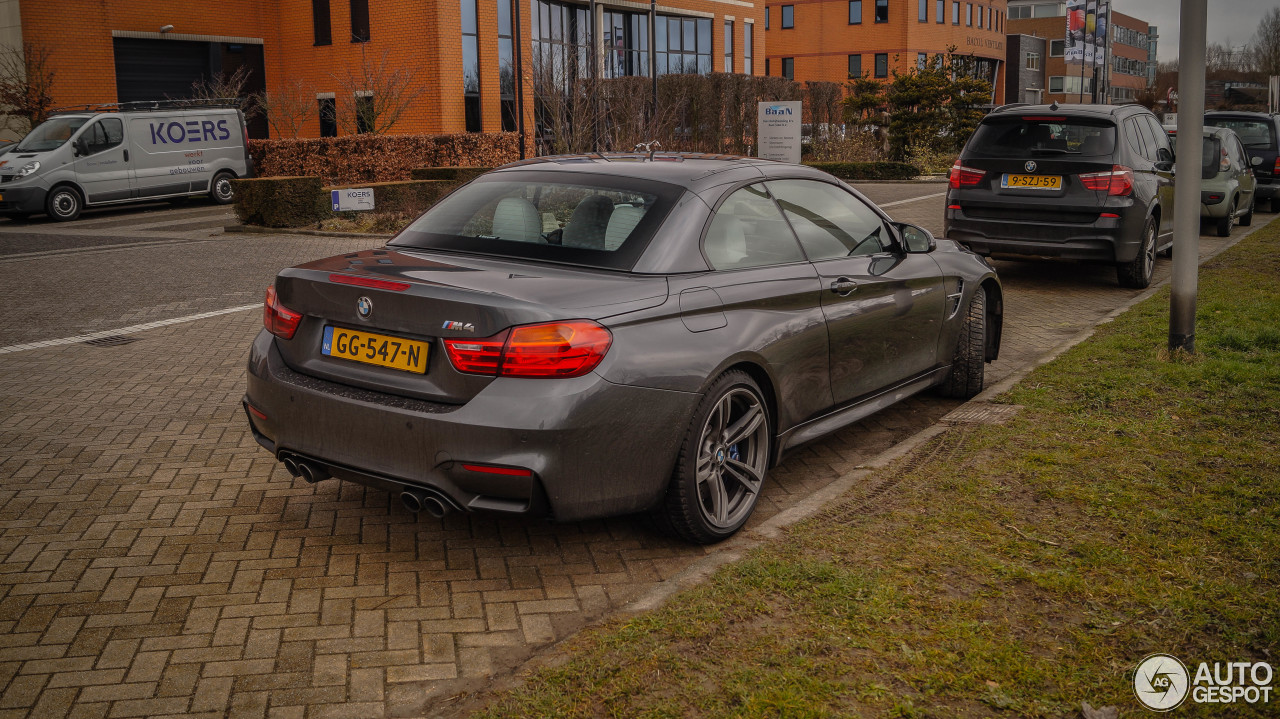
(732, 453)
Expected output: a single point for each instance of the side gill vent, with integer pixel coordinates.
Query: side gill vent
(953, 298)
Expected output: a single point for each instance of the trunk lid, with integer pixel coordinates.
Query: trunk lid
(426, 297)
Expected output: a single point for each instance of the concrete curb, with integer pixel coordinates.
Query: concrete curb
(256, 230)
(737, 547)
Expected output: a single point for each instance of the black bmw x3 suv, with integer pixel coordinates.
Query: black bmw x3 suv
(1076, 182)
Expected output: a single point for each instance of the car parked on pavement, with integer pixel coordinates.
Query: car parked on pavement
(1077, 182)
(131, 152)
(589, 336)
(1227, 188)
(1260, 133)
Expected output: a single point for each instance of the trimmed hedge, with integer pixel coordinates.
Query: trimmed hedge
(868, 170)
(408, 196)
(281, 201)
(457, 174)
(353, 159)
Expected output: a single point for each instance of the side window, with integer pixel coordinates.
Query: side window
(104, 134)
(1242, 157)
(1134, 137)
(748, 231)
(1148, 139)
(829, 221)
(1160, 136)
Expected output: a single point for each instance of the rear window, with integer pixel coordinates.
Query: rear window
(580, 219)
(1210, 157)
(1027, 136)
(1253, 133)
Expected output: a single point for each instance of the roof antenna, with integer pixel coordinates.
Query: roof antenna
(1054, 106)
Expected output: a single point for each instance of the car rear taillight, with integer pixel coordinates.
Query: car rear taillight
(278, 319)
(551, 349)
(1224, 163)
(961, 176)
(1276, 170)
(1118, 182)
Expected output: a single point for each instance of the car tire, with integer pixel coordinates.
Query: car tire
(717, 482)
(968, 364)
(63, 203)
(1223, 224)
(1137, 273)
(1247, 218)
(221, 190)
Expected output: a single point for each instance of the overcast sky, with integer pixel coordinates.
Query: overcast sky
(1231, 22)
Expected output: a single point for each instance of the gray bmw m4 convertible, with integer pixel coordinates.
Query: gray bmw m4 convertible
(589, 336)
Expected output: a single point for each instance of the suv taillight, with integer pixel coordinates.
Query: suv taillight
(1224, 163)
(1276, 169)
(551, 349)
(961, 176)
(1118, 182)
(278, 319)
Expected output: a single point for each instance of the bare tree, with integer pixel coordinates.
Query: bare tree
(1265, 49)
(227, 87)
(26, 87)
(289, 108)
(375, 94)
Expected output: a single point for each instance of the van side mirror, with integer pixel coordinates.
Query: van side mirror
(916, 239)
(80, 146)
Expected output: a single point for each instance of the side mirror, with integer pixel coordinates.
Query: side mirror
(916, 239)
(1255, 161)
(1164, 166)
(80, 146)
(1164, 155)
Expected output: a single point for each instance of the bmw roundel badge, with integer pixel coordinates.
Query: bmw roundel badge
(364, 307)
(1031, 165)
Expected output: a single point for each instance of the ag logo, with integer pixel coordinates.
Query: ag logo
(1031, 165)
(1161, 682)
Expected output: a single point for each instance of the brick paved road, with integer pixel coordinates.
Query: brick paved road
(154, 561)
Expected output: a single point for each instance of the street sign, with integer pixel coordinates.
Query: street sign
(780, 131)
(352, 199)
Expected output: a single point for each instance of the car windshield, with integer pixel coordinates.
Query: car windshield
(593, 220)
(1033, 136)
(50, 134)
(1253, 133)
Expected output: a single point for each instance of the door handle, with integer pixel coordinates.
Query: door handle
(126, 155)
(844, 286)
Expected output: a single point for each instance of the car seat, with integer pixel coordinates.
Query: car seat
(515, 218)
(587, 225)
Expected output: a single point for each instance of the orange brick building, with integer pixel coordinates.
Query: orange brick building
(837, 39)
(461, 55)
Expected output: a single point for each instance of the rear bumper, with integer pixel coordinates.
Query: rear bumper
(1107, 239)
(1268, 188)
(21, 200)
(595, 448)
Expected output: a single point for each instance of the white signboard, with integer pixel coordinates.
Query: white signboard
(780, 131)
(352, 199)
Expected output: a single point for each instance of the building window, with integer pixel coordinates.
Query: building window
(1057, 48)
(320, 22)
(683, 45)
(855, 12)
(955, 12)
(922, 60)
(982, 14)
(941, 12)
(788, 16)
(855, 66)
(1070, 84)
(766, 21)
(328, 117)
(882, 10)
(506, 68)
(1033, 61)
(969, 18)
(789, 68)
(748, 30)
(766, 67)
(728, 46)
(626, 44)
(365, 113)
(470, 65)
(882, 64)
(924, 11)
(359, 20)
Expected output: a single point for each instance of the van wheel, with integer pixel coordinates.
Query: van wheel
(63, 204)
(222, 191)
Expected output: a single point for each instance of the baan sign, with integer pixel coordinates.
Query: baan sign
(779, 131)
(352, 199)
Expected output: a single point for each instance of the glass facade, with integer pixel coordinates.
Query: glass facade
(748, 30)
(506, 68)
(471, 65)
(626, 44)
(683, 45)
(728, 46)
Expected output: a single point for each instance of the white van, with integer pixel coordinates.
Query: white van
(87, 159)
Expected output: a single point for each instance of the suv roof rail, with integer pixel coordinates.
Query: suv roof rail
(1011, 105)
(153, 105)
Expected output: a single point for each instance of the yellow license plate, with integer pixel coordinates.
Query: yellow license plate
(370, 348)
(1031, 182)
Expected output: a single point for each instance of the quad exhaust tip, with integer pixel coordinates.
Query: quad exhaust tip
(417, 502)
(291, 466)
(312, 472)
